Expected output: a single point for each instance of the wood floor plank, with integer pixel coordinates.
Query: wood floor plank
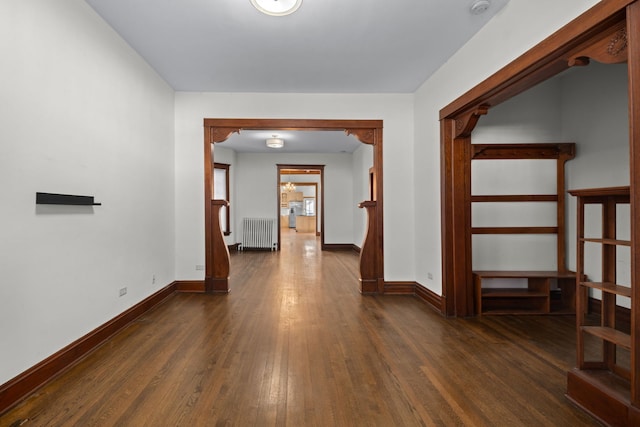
(295, 344)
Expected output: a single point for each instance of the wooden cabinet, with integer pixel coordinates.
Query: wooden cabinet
(306, 224)
(602, 381)
(290, 196)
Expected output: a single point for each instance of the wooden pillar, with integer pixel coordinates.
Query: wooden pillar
(368, 253)
(218, 281)
(455, 144)
(633, 40)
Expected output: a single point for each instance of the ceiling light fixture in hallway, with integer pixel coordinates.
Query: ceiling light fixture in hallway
(277, 7)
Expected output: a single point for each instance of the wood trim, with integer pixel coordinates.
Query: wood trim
(431, 298)
(633, 35)
(449, 250)
(226, 167)
(369, 282)
(340, 247)
(523, 151)
(190, 286)
(218, 281)
(291, 169)
(500, 198)
(514, 230)
(209, 139)
(546, 59)
(218, 130)
(400, 288)
(607, 47)
(299, 172)
(610, 408)
(366, 136)
(543, 61)
(292, 124)
(25, 383)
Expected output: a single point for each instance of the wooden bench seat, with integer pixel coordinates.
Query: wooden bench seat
(537, 298)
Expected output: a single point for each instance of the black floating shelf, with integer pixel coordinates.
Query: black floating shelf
(64, 199)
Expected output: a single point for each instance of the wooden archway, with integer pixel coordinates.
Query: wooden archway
(604, 33)
(216, 252)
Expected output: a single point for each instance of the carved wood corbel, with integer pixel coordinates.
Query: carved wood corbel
(607, 47)
(468, 121)
(222, 134)
(365, 136)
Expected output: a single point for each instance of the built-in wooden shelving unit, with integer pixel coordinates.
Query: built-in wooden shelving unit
(601, 382)
(547, 292)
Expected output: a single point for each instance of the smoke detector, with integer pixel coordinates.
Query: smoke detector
(480, 6)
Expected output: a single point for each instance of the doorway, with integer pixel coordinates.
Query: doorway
(301, 200)
(216, 251)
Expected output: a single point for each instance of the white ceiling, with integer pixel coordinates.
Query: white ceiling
(254, 141)
(327, 46)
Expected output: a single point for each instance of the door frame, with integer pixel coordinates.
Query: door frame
(280, 168)
(217, 266)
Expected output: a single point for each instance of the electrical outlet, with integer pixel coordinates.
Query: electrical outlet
(153, 280)
(429, 276)
(199, 267)
(123, 291)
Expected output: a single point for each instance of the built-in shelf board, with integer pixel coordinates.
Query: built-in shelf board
(519, 274)
(514, 230)
(502, 198)
(611, 242)
(609, 334)
(65, 199)
(610, 288)
(512, 293)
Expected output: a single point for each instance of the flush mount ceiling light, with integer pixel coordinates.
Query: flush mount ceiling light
(277, 7)
(275, 142)
(480, 6)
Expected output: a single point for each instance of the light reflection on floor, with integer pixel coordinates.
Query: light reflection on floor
(293, 243)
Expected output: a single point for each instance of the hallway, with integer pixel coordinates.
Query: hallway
(295, 344)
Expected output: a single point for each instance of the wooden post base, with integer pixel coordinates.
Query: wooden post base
(214, 285)
(600, 393)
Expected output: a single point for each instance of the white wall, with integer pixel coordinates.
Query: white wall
(531, 117)
(81, 113)
(362, 162)
(515, 29)
(222, 154)
(257, 189)
(396, 111)
(595, 115)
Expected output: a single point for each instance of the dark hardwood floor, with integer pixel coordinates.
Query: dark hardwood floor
(295, 344)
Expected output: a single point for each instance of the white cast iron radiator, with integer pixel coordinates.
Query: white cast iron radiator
(258, 233)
